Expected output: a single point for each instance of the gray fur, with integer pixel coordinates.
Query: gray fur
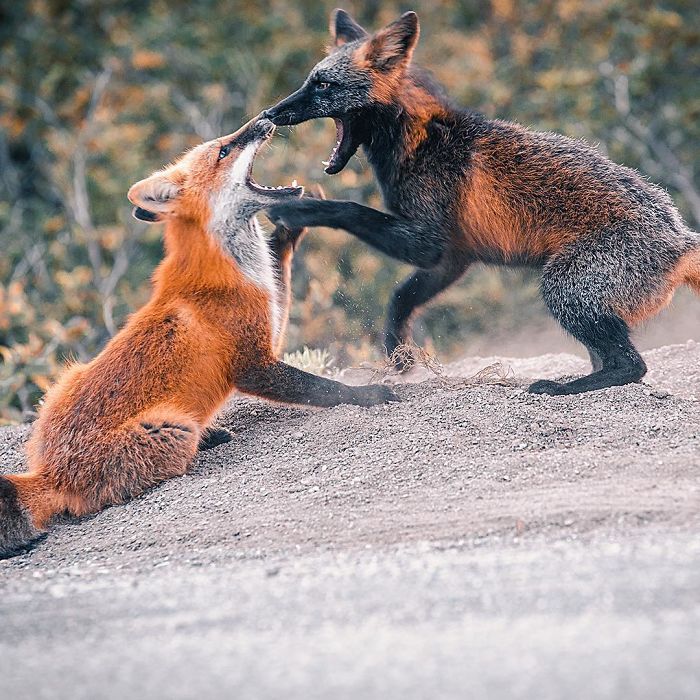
(234, 222)
(612, 270)
(339, 67)
(351, 88)
(625, 264)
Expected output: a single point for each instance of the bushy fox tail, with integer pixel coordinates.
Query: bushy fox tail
(692, 270)
(18, 492)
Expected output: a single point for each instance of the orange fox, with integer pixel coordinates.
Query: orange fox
(134, 416)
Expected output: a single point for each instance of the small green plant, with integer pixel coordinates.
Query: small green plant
(314, 360)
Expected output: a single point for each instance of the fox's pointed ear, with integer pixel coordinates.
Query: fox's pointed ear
(154, 197)
(394, 44)
(344, 28)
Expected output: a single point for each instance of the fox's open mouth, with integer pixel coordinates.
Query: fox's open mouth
(344, 148)
(292, 190)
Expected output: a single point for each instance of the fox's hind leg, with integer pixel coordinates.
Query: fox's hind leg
(412, 293)
(112, 468)
(156, 445)
(597, 287)
(615, 360)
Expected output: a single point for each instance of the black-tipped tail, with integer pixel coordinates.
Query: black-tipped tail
(16, 527)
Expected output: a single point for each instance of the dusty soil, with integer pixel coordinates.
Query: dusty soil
(471, 541)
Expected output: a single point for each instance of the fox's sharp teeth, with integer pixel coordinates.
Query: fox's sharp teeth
(294, 183)
(325, 162)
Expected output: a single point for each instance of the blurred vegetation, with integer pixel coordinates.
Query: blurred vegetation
(314, 360)
(94, 94)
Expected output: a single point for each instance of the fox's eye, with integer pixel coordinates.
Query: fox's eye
(322, 86)
(225, 150)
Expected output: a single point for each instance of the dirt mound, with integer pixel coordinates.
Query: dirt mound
(562, 496)
(462, 456)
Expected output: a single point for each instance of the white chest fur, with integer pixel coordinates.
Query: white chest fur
(240, 234)
(252, 253)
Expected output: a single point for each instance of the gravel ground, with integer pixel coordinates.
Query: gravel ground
(472, 541)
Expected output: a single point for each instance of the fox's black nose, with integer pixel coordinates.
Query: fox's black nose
(275, 115)
(264, 126)
(272, 114)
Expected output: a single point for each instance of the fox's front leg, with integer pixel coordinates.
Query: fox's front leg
(403, 239)
(281, 382)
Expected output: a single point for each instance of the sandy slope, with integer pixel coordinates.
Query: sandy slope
(472, 541)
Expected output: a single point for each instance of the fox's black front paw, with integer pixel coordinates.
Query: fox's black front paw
(281, 215)
(374, 395)
(285, 236)
(545, 386)
(212, 437)
(291, 215)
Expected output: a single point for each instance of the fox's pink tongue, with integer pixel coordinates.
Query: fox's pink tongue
(338, 158)
(339, 130)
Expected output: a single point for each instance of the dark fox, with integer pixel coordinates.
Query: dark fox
(462, 188)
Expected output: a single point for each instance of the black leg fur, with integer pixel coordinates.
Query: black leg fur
(402, 239)
(281, 382)
(413, 292)
(213, 437)
(608, 339)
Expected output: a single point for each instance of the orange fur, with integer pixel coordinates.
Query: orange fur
(489, 224)
(686, 272)
(511, 212)
(690, 270)
(637, 312)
